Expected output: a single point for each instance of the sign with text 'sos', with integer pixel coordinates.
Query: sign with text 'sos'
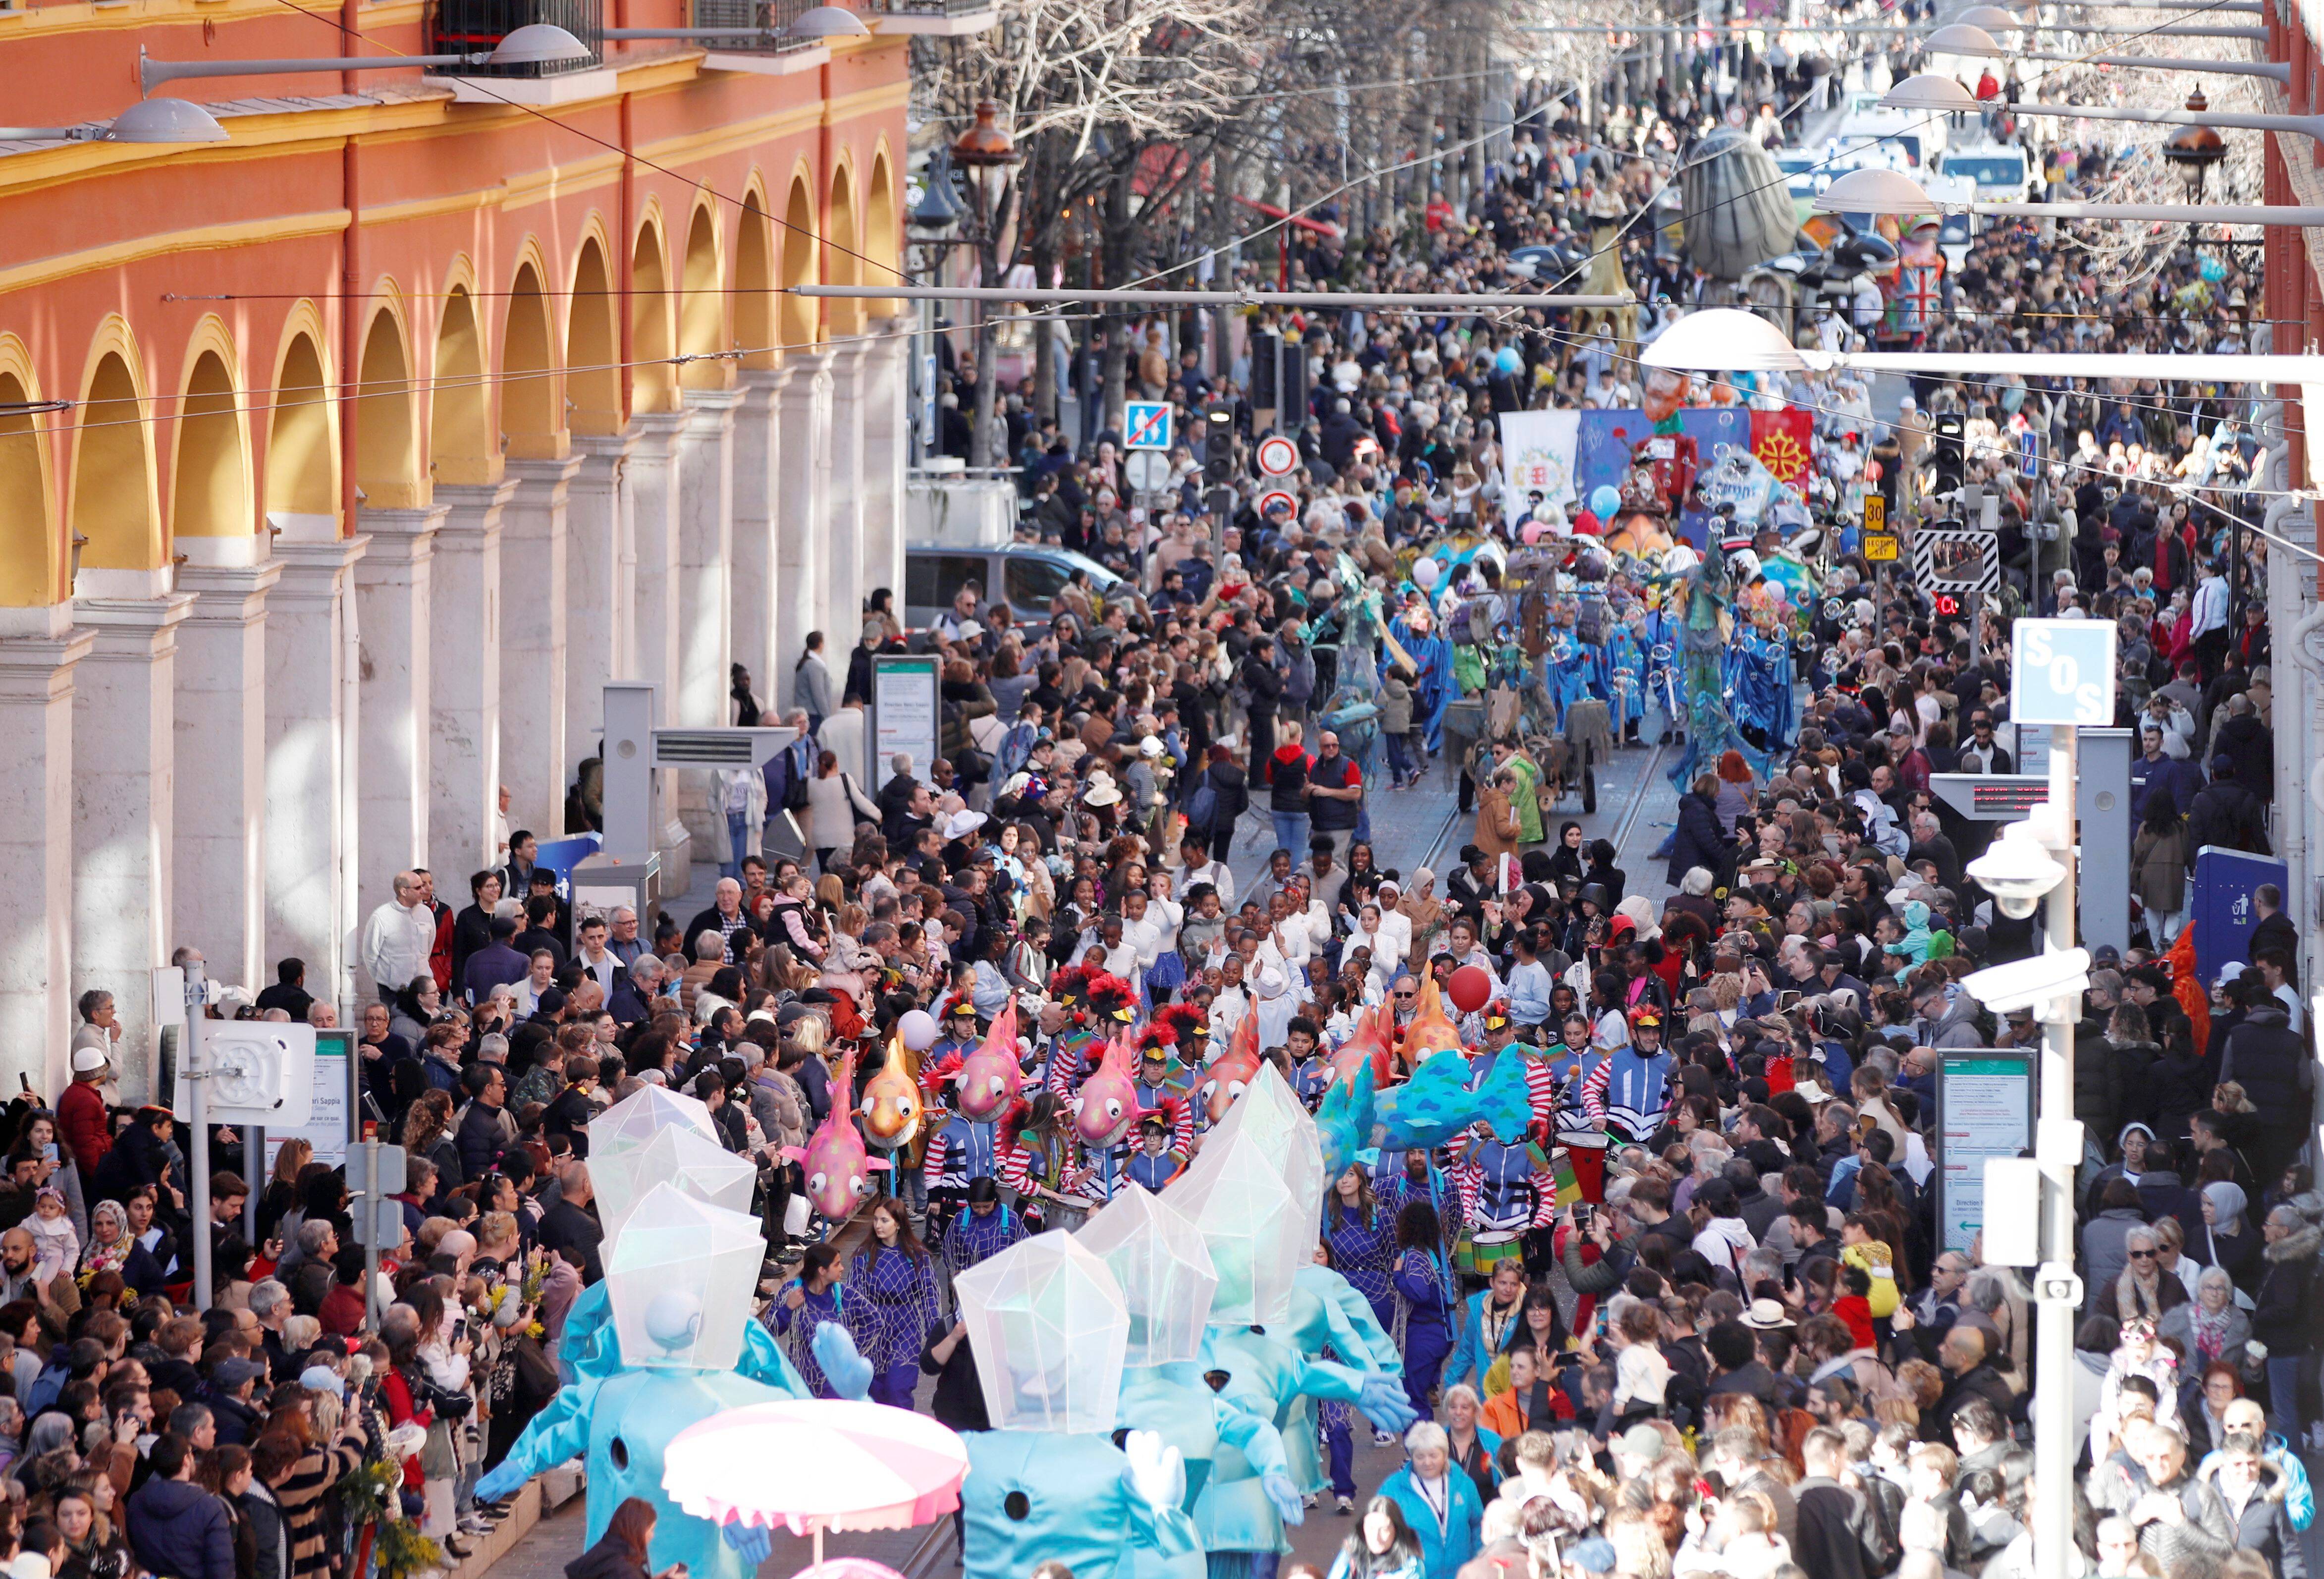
(2061, 672)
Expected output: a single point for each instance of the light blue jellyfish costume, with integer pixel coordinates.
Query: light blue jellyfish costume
(1622, 675)
(1159, 1258)
(1702, 650)
(1433, 687)
(1049, 1327)
(666, 1339)
(1257, 1194)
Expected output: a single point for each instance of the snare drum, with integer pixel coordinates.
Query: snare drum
(1481, 1250)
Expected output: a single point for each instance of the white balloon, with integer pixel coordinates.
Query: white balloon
(1425, 573)
(918, 1029)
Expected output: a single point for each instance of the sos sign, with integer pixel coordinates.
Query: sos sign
(2062, 672)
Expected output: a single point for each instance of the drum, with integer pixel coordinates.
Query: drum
(1585, 1155)
(1481, 1250)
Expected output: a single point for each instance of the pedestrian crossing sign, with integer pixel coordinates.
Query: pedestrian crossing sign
(1148, 423)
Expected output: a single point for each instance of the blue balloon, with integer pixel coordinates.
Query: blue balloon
(1604, 500)
(1507, 360)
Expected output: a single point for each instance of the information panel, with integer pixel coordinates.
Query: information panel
(904, 715)
(1985, 1108)
(333, 1120)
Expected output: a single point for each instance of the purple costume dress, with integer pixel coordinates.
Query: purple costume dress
(891, 1303)
(1423, 1333)
(795, 1329)
(1363, 1252)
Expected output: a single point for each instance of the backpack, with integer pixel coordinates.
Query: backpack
(794, 784)
(1203, 806)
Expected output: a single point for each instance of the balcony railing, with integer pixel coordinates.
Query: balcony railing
(774, 15)
(928, 8)
(477, 26)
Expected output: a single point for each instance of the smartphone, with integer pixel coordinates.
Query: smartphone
(1583, 1214)
(50, 1151)
(1785, 999)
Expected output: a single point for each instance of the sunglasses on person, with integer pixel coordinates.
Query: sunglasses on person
(2142, 1255)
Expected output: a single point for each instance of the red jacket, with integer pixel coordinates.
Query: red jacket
(80, 1114)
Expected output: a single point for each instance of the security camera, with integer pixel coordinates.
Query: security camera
(2054, 1283)
(2017, 871)
(2026, 983)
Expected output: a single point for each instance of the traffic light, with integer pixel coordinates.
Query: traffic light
(1218, 443)
(1950, 459)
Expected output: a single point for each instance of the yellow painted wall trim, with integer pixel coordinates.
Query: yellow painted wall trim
(203, 238)
(697, 146)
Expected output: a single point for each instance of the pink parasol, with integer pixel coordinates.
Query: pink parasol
(816, 1464)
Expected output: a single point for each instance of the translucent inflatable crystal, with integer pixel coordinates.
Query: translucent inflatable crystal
(676, 1156)
(631, 1121)
(1164, 1268)
(1272, 1115)
(1048, 1327)
(681, 1278)
(1258, 1235)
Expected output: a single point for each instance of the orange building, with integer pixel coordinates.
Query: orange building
(389, 428)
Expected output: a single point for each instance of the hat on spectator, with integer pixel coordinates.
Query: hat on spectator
(1596, 1554)
(1643, 1443)
(85, 1060)
(1766, 1315)
(235, 1372)
(320, 1379)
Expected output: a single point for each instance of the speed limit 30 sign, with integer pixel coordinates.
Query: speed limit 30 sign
(2061, 671)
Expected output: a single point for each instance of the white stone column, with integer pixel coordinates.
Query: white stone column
(219, 855)
(37, 660)
(801, 549)
(845, 584)
(311, 847)
(758, 492)
(886, 442)
(598, 579)
(535, 558)
(125, 811)
(655, 479)
(394, 584)
(705, 602)
(464, 679)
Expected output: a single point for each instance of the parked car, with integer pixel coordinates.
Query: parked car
(1025, 576)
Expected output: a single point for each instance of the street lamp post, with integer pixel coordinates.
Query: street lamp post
(985, 151)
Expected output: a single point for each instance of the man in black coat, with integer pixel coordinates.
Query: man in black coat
(2269, 1060)
(2274, 930)
(1835, 1540)
(2226, 814)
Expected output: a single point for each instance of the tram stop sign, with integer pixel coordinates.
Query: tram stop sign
(2062, 672)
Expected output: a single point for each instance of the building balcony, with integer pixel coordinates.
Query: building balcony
(931, 18)
(476, 27)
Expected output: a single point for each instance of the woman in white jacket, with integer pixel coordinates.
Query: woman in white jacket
(741, 806)
(835, 804)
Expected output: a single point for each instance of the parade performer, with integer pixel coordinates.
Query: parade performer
(988, 1227)
(1706, 595)
(1167, 1283)
(1429, 657)
(1628, 1095)
(969, 1144)
(1049, 1327)
(1362, 1237)
(797, 1313)
(703, 1356)
(893, 1283)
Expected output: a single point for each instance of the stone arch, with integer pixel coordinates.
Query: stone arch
(702, 304)
(756, 332)
(593, 345)
(302, 439)
(209, 489)
(532, 412)
(882, 234)
(653, 381)
(801, 323)
(114, 503)
(842, 241)
(28, 533)
(387, 425)
(463, 443)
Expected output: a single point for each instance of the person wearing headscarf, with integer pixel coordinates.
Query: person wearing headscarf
(112, 1248)
(2228, 1240)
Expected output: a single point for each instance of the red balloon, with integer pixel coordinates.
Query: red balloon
(1472, 988)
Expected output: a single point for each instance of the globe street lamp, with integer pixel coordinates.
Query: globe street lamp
(2192, 151)
(985, 151)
